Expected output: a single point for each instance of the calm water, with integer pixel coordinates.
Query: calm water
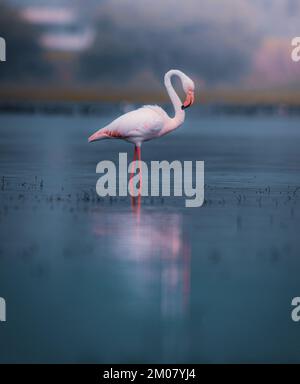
(86, 280)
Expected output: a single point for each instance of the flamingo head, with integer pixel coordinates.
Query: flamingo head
(189, 89)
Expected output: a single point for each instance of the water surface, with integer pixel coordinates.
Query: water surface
(88, 280)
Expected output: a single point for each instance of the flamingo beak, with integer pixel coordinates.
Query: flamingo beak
(189, 100)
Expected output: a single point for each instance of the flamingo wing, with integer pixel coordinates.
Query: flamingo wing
(141, 124)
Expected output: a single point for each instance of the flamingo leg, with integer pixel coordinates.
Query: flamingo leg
(140, 167)
(133, 164)
(131, 176)
(140, 187)
(136, 205)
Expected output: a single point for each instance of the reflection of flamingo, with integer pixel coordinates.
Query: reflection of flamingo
(156, 244)
(150, 121)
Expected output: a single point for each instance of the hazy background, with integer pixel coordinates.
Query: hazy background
(90, 279)
(121, 49)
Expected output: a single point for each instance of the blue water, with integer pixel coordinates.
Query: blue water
(88, 280)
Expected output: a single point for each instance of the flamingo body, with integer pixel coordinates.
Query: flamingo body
(140, 125)
(150, 121)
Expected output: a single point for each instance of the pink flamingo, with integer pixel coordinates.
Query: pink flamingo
(150, 121)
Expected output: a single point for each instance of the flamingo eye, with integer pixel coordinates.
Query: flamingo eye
(191, 88)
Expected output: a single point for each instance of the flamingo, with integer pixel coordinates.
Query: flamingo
(150, 121)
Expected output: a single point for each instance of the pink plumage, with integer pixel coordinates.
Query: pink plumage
(150, 121)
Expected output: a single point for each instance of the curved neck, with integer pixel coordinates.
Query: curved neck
(178, 119)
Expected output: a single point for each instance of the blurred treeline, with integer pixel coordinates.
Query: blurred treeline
(229, 47)
(25, 61)
(133, 39)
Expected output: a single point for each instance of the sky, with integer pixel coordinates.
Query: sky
(240, 43)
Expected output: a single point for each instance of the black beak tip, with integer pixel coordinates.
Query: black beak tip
(182, 107)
